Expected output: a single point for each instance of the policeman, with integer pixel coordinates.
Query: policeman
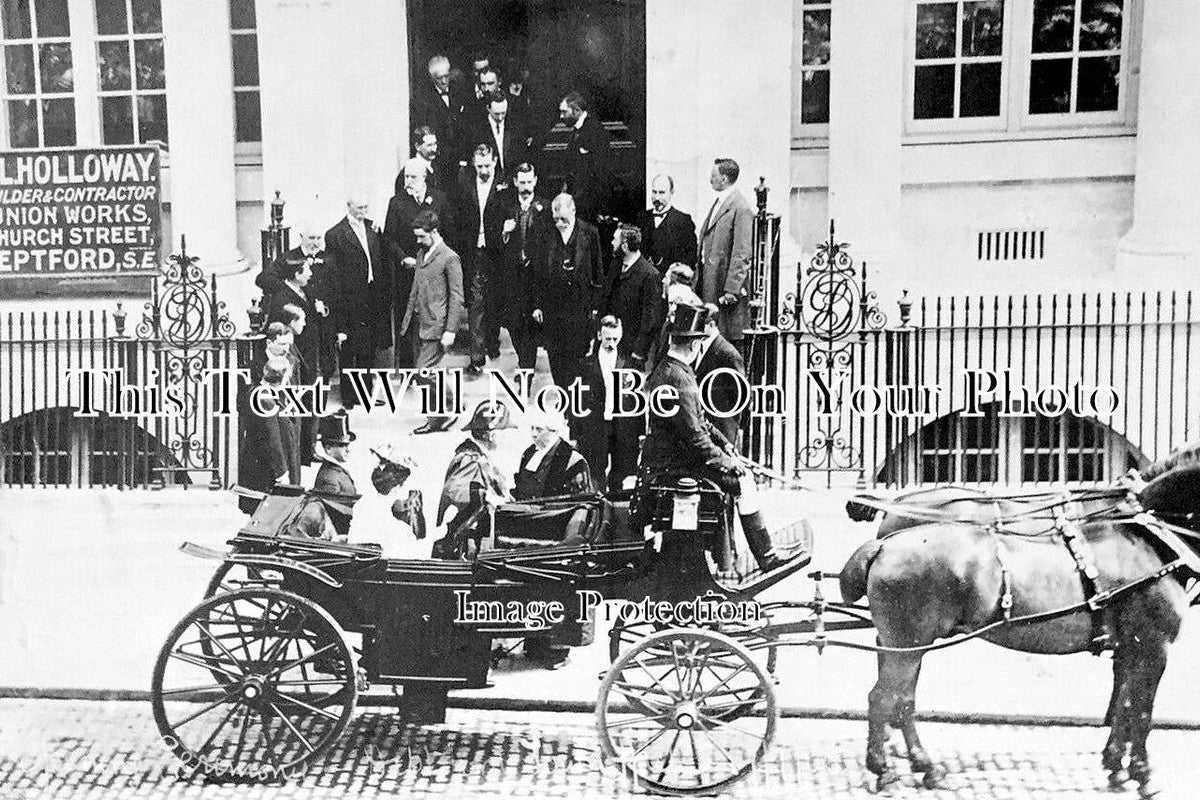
(686, 443)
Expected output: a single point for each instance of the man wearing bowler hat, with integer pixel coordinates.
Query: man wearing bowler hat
(334, 486)
(686, 443)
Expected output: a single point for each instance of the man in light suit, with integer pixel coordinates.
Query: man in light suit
(435, 304)
(723, 257)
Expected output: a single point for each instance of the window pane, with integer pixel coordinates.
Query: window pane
(247, 116)
(1099, 83)
(57, 75)
(241, 14)
(935, 30)
(1050, 86)
(816, 37)
(814, 96)
(1100, 25)
(147, 16)
(983, 28)
(52, 18)
(980, 90)
(16, 19)
(22, 123)
(1040, 467)
(1053, 26)
(245, 60)
(933, 92)
(118, 120)
(152, 118)
(148, 54)
(18, 64)
(114, 66)
(58, 117)
(110, 17)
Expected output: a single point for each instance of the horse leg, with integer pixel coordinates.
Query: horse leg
(918, 758)
(1117, 717)
(897, 682)
(1146, 670)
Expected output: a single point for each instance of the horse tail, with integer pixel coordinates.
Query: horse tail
(853, 579)
(861, 512)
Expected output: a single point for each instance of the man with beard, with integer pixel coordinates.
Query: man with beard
(270, 280)
(632, 296)
(567, 295)
(668, 234)
(525, 231)
(586, 177)
(401, 243)
(480, 197)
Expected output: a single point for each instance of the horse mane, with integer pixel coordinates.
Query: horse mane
(1186, 456)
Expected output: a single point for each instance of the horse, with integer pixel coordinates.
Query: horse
(984, 561)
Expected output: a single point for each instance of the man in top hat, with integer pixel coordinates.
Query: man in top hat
(686, 443)
(471, 479)
(334, 486)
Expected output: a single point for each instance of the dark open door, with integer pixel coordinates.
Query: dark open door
(596, 47)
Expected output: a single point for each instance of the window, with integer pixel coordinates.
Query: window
(247, 115)
(812, 54)
(958, 52)
(39, 78)
(1064, 448)
(1075, 54)
(960, 449)
(129, 55)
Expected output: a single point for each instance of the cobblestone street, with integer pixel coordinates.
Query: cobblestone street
(67, 749)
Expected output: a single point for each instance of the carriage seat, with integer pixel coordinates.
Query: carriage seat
(563, 520)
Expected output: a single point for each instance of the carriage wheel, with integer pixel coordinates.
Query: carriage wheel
(286, 693)
(663, 714)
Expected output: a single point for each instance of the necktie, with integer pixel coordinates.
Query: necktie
(711, 211)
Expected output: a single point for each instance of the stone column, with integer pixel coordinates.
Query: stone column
(1162, 249)
(718, 83)
(196, 43)
(866, 96)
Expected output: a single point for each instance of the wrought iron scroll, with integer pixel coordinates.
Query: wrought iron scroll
(832, 311)
(186, 320)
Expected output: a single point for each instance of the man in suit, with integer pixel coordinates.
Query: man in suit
(269, 452)
(668, 234)
(360, 293)
(568, 293)
(725, 250)
(439, 172)
(293, 306)
(434, 306)
(440, 106)
(633, 294)
(487, 83)
(600, 434)
(504, 134)
(726, 391)
(319, 323)
(480, 221)
(334, 485)
(400, 242)
(526, 229)
(586, 161)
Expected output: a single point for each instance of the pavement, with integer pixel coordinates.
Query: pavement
(111, 751)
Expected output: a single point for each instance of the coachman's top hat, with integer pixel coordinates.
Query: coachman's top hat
(335, 429)
(689, 322)
(489, 416)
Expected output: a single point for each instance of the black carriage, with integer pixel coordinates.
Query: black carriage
(262, 676)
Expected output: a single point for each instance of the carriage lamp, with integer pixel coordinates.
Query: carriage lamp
(256, 314)
(760, 194)
(119, 320)
(906, 305)
(277, 211)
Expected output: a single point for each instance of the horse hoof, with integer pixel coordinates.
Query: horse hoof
(886, 779)
(1117, 780)
(934, 776)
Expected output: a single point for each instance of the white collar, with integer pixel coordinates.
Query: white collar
(539, 454)
(721, 195)
(355, 223)
(664, 212)
(431, 251)
(569, 233)
(579, 122)
(628, 260)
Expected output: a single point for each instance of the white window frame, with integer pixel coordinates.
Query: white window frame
(1015, 121)
(35, 40)
(807, 131)
(133, 92)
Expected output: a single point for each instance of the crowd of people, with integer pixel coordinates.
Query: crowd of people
(476, 241)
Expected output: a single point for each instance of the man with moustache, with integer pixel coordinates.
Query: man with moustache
(586, 162)
(723, 257)
(440, 105)
(480, 220)
(525, 234)
(504, 133)
(439, 171)
(633, 295)
(668, 234)
(568, 292)
(402, 245)
(270, 280)
(360, 293)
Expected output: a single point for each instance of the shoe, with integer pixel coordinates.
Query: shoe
(493, 354)
(474, 371)
(428, 427)
(770, 563)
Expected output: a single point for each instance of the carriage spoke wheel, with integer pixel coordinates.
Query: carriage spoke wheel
(664, 712)
(286, 692)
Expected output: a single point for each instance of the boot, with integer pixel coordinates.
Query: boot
(760, 541)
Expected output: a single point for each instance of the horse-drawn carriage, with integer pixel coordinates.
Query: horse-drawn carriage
(261, 677)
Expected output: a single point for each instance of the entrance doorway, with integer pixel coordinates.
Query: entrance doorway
(597, 48)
